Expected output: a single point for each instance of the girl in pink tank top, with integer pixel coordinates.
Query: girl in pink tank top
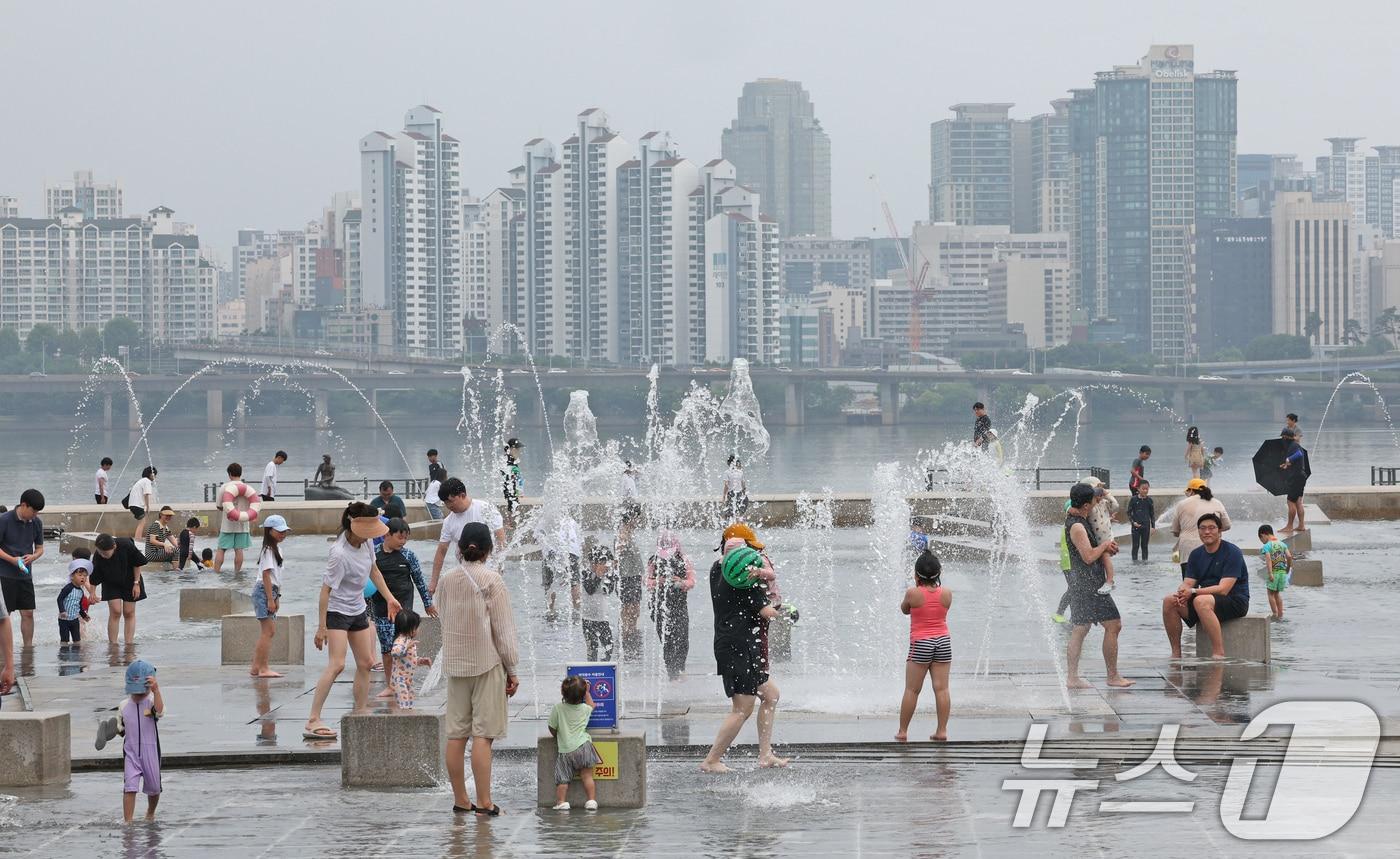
(930, 644)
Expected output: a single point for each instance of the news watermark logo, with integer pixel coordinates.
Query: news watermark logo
(1321, 779)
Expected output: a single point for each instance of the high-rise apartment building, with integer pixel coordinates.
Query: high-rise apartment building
(1313, 274)
(1152, 150)
(780, 151)
(538, 300)
(653, 232)
(1262, 176)
(491, 259)
(589, 162)
(1387, 206)
(84, 194)
(742, 308)
(9, 207)
(971, 164)
(411, 231)
(74, 271)
(1344, 173)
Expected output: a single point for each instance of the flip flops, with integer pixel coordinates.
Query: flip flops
(323, 732)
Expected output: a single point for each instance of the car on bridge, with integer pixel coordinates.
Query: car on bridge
(1285, 379)
(1212, 378)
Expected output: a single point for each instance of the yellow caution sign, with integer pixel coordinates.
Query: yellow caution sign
(607, 768)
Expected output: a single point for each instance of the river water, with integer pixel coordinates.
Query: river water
(809, 458)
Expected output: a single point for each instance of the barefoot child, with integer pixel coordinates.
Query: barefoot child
(267, 593)
(405, 657)
(930, 645)
(136, 724)
(1278, 566)
(568, 723)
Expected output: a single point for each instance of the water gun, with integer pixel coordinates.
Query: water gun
(787, 612)
(23, 568)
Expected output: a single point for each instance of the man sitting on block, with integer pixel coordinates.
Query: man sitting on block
(1214, 589)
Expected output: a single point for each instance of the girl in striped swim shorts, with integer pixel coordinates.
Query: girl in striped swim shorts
(930, 645)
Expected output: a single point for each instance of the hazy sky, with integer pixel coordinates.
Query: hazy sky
(248, 113)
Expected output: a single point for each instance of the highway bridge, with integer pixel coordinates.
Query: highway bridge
(320, 375)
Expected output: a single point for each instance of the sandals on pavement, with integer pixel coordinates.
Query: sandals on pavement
(493, 811)
(320, 732)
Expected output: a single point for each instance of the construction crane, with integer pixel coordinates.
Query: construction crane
(915, 282)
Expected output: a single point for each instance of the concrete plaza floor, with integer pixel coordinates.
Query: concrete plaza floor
(894, 805)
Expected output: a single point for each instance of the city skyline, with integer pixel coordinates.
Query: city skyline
(231, 79)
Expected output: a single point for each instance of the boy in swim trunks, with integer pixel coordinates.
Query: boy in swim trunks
(1278, 566)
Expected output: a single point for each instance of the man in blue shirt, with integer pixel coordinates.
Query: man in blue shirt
(21, 544)
(1214, 589)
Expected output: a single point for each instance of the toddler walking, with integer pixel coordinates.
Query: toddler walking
(75, 597)
(135, 722)
(568, 723)
(596, 606)
(406, 658)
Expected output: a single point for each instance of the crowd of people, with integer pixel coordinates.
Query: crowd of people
(367, 602)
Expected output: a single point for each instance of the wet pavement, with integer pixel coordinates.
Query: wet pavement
(840, 695)
(903, 806)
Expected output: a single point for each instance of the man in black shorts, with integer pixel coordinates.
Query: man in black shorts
(1215, 589)
(21, 544)
(740, 616)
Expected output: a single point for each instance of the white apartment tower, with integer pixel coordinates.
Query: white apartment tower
(73, 271)
(9, 207)
(491, 258)
(93, 200)
(538, 302)
(411, 231)
(589, 163)
(742, 309)
(653, 260)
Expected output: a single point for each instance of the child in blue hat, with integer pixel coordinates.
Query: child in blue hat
(136, 723)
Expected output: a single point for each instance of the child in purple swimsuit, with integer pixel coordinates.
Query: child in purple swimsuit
(136, 723)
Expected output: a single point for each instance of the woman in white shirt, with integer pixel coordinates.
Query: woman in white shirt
(267, 593)
(344, 616)
(142, 499)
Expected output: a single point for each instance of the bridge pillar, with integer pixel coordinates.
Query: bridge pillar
(214, 409)
(322, 409)
(106, 411)
(240, 414)
(371, 420)
(795, 404)
(889, 403)
(1280, 407)
(133, 416)
(1179, 401)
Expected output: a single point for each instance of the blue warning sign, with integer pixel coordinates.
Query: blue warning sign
(602, 685)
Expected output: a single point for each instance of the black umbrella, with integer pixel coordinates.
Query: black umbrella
(1267, 472)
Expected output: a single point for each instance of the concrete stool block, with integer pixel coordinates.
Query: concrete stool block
(1307, 573)
(212, 603)
(35, 748)
(628, 790)
(1244, 638)
(429, 637)
(397, 748)
(240, 635)
(1300, 541)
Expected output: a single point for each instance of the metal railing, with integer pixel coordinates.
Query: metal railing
(1385, 475)
(407, 488)
(1048, 477)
